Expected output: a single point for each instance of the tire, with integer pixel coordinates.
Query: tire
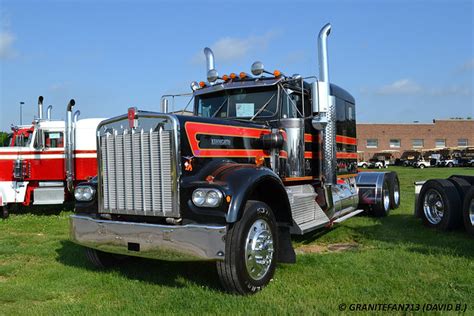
(364, 166)
(468, 211)
(439, 204)
(394, 185)
(237, 273)
(422, 166)
(382, 207)
(461, 185)
(4, 212)
(103, 260)
(450, 165)
(379, 166)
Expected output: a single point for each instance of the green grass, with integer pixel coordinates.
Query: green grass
(395, 260)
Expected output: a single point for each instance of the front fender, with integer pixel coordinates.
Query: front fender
(246, 182)
(240, 182)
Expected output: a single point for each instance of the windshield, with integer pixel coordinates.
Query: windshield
(6, 139)
(239, 103)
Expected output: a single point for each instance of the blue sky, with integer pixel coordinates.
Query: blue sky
(402, 60)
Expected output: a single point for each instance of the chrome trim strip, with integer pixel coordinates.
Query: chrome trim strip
(165, 242)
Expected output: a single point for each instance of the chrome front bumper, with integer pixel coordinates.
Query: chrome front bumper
(173, 243)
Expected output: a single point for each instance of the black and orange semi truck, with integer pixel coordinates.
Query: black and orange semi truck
(264, 156)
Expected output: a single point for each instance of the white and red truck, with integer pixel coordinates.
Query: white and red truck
(45, 161)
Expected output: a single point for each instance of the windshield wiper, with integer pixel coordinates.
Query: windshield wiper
(262, 108)
(220, 107)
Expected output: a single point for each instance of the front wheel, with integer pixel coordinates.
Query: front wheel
(251, 251)
(422, 166)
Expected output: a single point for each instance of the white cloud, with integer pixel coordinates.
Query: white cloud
(468, 65)
(402, 86)
(6, 45)
(229, 49)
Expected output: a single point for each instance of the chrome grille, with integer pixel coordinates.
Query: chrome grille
(137, 172)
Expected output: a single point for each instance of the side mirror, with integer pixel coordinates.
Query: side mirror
(39, 141)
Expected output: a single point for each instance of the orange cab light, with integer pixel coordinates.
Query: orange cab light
(228, 198)
(259, 161)
(242, 75)
(225, 77)
(277, 73)
(202, 84)
(232, 75)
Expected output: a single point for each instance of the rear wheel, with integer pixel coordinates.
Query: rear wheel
(251, 251)
(382, 207)
(468, 212)
(394, 190)
(102, 259)
(4, 212)
(439, 204)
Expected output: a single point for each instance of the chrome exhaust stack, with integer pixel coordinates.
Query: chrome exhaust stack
(48, 112)
(76, 116)
(212, 74)
(164, 105)
(69, 145)
(324, 109)
(40, 107)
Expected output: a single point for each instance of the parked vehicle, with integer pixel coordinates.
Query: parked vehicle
(33, 169)
(377, 164)
(363, 164)
(446, 204)
(409, 157)
(422, 163)
(262, 158)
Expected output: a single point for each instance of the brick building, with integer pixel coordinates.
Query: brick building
(397, 138)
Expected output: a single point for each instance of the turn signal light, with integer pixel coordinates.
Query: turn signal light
(277, 73)
(259, 161)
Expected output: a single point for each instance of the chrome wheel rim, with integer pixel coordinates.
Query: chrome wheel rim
(396, 193)
(386, 199)
(471, 212)
(259, 249)
(433, 206)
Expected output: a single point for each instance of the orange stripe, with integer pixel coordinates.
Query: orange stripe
(298, 179)
(195, 128)
(345, 176)
(346, 140)
(343, 155)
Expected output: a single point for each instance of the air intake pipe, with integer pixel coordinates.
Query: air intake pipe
(40, 107)
(48, 112)
(324, 108)
(69, 146)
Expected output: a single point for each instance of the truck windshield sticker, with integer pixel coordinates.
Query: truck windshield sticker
(245, 109)
(54, 135)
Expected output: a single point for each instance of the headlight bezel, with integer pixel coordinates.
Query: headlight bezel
(200, 193)
(84, 193)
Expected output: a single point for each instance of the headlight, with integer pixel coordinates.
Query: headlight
(84, 193)
(207, 197)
